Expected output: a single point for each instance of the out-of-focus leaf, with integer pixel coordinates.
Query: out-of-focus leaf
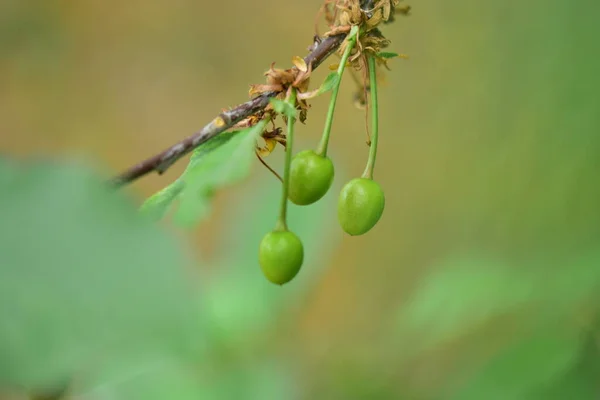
(256, 380)
(214, 167)
(84, 280)
(531, 364)
(157, 205)
(157, 381)
(8, 171)
(462, 294)
(581, 381)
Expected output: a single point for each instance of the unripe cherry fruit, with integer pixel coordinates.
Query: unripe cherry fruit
(360, 206)
(311, 176)
(280, 255)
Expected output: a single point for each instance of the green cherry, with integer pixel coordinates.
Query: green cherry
(360, 206)
(280, 254)
(311, 176)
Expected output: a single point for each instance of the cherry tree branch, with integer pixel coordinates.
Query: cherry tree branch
(321, 50)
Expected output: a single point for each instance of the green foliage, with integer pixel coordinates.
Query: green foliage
(83, 280)
(157, 205)
(580, 381)
(219, 162)
(533, 362)
(387, 55)
(462, 294)
(329, 83)
(284, 108)
(91, 290)
(529, 117)
(545, 349)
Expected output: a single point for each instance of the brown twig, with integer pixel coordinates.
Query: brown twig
(224, 121)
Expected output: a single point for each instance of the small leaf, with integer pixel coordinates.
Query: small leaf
(335, 66)
(157, 205)
(268, 148)
(201, 151)
(330, 82)
(387, 55)
(215, 165)
(284, 108)
(299, 63)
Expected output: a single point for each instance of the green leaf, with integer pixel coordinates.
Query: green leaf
(258, 380)
(201, 151)
(527, 366)
(462, 294)
(213, 167)
(156, 381)
(330, 82)
(223, 160)
(284, 108)
(157, 205)
(84, 280)
(466, 293)
(387, 55)
(581, 381)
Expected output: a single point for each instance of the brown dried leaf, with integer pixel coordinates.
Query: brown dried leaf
(375, 20)
(299, 63)
(257, 89)
(302, 116)
(268, 148)
(276, 76)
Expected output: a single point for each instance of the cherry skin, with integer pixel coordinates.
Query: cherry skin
(280, 255)
(311, 176)
(360, 206)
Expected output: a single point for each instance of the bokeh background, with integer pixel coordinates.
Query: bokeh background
(482, 279)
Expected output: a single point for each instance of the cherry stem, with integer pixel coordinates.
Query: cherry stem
(352, 36)
(374, 118)
(282, 220)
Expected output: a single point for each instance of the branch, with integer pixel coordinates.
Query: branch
(224, 121)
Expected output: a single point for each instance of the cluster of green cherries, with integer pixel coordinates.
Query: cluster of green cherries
(308, 176)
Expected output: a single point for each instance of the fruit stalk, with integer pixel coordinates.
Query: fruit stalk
(374, 119)
(282, 220)
(322, 149)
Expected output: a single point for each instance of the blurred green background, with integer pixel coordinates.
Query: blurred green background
(482, 279)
